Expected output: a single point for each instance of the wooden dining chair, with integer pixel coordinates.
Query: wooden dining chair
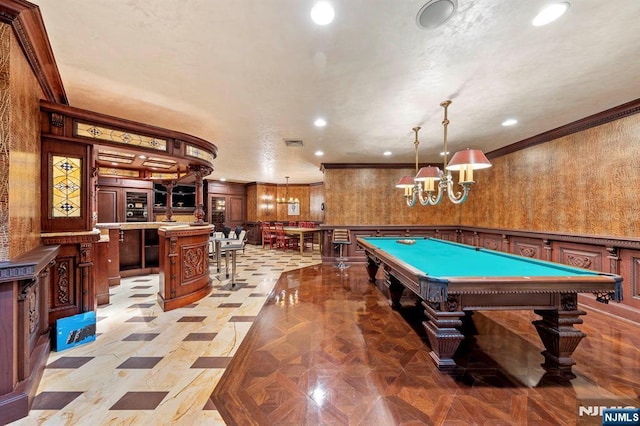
(268, 234)
(283, 240)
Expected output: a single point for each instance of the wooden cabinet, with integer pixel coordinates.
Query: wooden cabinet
(137, 208)
(24, 329)
(124, 200)
(139, 251)
(101, 271)
(226, 204)
(218, 211)
(184, 270)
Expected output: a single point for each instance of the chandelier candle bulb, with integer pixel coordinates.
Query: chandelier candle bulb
(430, 184)
(466, 173)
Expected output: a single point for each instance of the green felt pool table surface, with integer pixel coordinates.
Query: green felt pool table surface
(441, 258)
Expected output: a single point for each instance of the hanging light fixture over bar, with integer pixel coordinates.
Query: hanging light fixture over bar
(464, 162)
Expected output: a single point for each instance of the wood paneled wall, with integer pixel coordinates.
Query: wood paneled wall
(20, 146)
(260, 194)
(584, 183)
(368, 196)
(316, 203)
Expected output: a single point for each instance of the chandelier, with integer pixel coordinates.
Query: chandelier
(422, 186)
(287, 199)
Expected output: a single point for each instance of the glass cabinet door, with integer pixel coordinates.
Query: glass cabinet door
(218, 212)
(136, 209)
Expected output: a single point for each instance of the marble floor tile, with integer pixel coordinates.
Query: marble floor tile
(153, 367)
(53, 400)
(139, 401)
(70, 362)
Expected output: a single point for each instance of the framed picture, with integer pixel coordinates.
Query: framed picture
(293, 209)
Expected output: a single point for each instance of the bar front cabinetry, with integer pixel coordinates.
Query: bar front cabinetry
(139, 251)
(184, 266)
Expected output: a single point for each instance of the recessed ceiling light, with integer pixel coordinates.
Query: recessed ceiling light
(322, 13)
(435, 13)
(320, 122)
(509, 122)
(319, 153)
(442, 153)
(223, 179)
(387, 153)
(550, 14)
(114, 164)
(142, 156)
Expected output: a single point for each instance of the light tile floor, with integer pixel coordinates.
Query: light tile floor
(152, 367)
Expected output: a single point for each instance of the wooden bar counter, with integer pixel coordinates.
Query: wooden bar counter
(184, 265)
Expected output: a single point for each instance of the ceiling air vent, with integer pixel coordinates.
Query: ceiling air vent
(293, 142)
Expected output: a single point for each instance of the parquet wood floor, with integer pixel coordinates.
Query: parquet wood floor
(327, 349)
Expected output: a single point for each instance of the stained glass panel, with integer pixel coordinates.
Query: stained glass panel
(67, 185)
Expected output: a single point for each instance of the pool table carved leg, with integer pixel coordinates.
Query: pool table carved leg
(372, 269)
(444, 337)
(395, 290)
(559, 338)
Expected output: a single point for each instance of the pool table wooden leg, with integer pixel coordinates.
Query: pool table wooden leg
(560, 338)
(395, 288)
(372, 269)
(444, 337)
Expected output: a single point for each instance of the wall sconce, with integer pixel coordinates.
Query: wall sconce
(267, 203)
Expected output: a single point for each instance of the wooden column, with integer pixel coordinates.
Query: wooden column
(199, 172)
(169, 203)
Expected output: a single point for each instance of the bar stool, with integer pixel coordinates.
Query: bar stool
(341, 237)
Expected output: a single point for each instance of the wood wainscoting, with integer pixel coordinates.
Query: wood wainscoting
(614, 255)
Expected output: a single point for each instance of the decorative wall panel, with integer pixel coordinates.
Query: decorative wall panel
(5, 135)
(527, 249)
(316, 203)
(492, 242)
(579, 184)
(635, 277)
(194, 151)
(195, 262)
(368, 196)
(23, 206)
(67, 186)
(119, 136)
(580, 258)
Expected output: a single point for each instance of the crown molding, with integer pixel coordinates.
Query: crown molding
(27, 24)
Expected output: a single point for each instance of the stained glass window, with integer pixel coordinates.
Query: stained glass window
(67, 184)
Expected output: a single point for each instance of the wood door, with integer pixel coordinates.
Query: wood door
(108, 205)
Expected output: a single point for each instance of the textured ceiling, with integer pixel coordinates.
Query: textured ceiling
(246, 75)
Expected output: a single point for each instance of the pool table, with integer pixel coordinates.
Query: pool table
(453, 280)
